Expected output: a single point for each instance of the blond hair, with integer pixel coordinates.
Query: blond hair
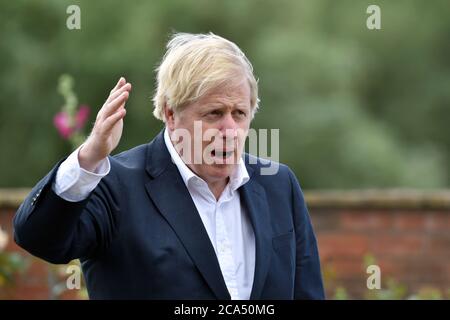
(193, 65)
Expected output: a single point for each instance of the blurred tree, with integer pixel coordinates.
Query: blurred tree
(355, 107)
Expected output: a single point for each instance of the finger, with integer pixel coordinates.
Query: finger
(119, 84)
(111, 107)
(114, 95)
(126, 87)
(112, 120)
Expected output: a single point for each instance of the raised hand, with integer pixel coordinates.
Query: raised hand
(107, 130)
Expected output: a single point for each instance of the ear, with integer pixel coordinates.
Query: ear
(169, 115)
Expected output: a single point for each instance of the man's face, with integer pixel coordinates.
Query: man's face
(224, 116)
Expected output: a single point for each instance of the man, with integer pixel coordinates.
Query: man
(184, 216)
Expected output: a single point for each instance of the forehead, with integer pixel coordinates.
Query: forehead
(236, 92)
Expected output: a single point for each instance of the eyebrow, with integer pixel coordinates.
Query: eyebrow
(213, 105)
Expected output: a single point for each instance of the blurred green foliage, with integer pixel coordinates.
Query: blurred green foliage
(390, 288)
(12, 264)
(355, 107)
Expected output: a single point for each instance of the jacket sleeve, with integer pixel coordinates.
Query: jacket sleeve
(59, 231)
(308, 277)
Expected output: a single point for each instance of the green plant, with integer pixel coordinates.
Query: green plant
(11, 263)
(70, 121)
(391, 289)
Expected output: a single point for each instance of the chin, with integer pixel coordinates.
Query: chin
(221, 171)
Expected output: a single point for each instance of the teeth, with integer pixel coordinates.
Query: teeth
(222, 154)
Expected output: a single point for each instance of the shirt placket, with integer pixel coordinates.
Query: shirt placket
(225, 254)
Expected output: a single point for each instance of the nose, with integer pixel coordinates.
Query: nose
(228, 122)
(228, 127)
(228, 130)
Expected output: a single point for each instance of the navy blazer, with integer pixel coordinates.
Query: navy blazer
(139, 235)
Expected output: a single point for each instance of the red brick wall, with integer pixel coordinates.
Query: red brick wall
(408, 234)
(410, 246)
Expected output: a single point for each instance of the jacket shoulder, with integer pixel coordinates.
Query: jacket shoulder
(265, 170)
(133, 158)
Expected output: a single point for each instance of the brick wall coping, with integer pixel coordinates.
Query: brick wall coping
(380, 199)
(12, 198)
(367, 199)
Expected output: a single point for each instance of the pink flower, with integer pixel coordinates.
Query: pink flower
(82, 116)
(62, 124)
(62, 121)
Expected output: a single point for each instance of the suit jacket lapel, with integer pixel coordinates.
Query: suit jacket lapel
(254, 198)
(173, 200)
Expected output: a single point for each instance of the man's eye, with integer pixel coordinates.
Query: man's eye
(240, 113)
(215, 112)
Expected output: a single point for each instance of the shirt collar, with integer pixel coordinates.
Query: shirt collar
(238, 178)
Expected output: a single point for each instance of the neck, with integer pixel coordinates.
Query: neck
(217, 187)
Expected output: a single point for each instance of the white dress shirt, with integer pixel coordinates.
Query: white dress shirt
(225, 220)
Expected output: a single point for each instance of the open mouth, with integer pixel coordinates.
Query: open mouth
(222, 154)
